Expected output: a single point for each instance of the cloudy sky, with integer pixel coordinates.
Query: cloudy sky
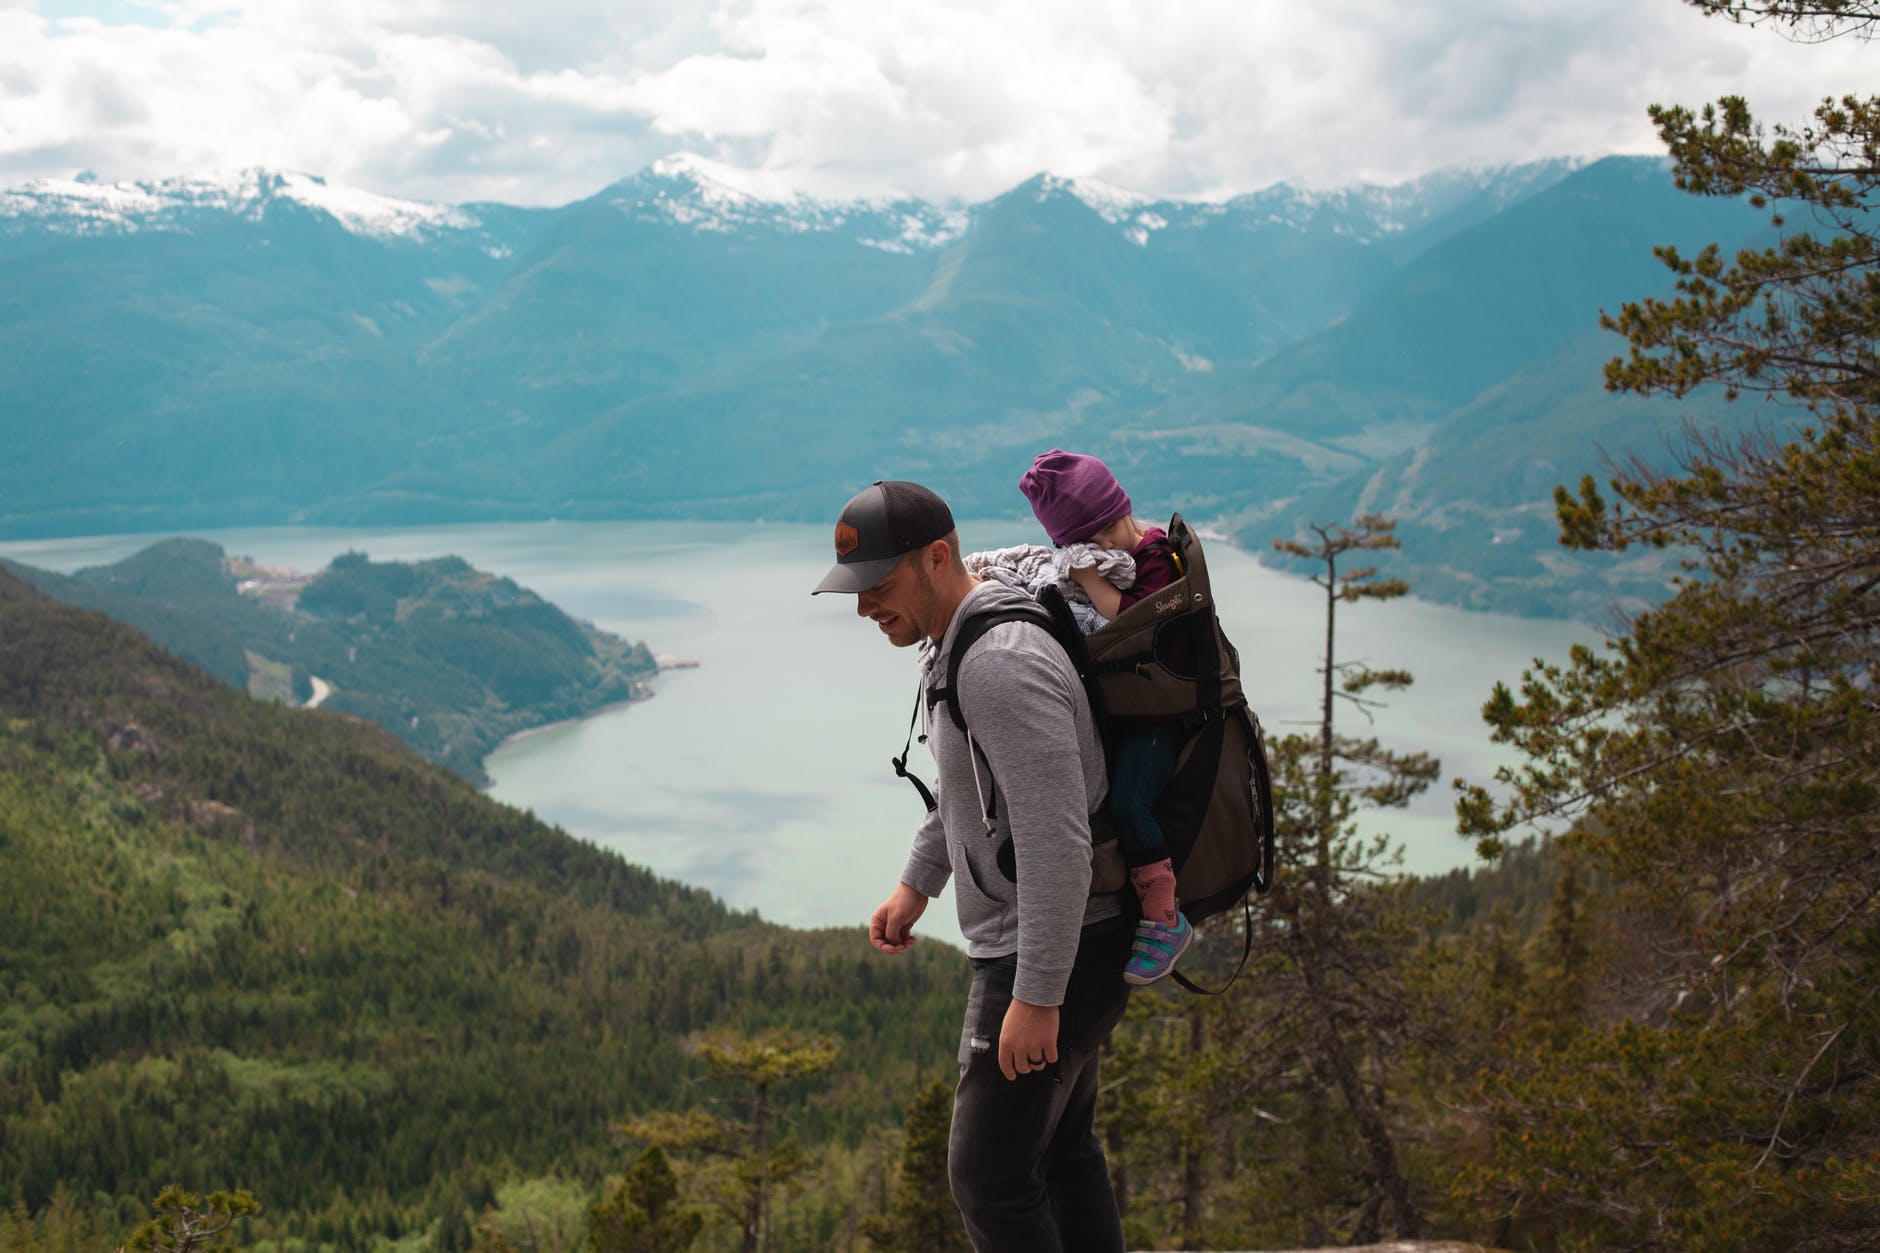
(545, 101)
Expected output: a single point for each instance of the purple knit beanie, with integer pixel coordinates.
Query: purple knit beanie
(1074, 495)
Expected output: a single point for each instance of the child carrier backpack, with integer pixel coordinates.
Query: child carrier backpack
(1163, 659)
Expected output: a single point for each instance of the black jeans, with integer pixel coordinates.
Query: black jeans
(1026, 1167)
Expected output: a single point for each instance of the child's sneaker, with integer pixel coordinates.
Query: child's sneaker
(1156, 950)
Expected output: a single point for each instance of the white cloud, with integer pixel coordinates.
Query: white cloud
(545, 102)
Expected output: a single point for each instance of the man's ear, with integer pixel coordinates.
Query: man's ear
(938, 555)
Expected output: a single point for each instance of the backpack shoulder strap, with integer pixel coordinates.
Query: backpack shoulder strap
(970, 633)
(1163, 544)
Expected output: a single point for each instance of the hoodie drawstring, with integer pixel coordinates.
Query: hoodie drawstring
(985, 809)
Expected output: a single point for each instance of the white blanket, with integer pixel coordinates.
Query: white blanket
(1030, 567)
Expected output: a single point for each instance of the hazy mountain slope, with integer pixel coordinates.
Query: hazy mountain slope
(1495, 291)
(248, 366)
(1057, 317)
(1475, 505)
(635, 291)
(1493, 298)
(1417, 215)
(1041, 312)
(1478, 306)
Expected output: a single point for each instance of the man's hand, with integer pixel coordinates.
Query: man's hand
(1028, 1040)
(891, 926)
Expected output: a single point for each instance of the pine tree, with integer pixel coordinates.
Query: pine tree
(183, 1222)
(923, 1217)
(1336, 938)
(1565, 958)
(640, 1213)
(1726, 747)
(746, 1163)
(1306, 1042)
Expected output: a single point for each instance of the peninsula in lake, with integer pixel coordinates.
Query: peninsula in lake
(450, 659)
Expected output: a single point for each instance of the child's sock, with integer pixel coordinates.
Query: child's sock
(1155, 887)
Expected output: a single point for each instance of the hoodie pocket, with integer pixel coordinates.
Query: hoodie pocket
(988, 881)
(986, 901)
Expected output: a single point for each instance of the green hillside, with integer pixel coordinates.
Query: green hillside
(449, 659)
(1474, 503)
(247, 945)
(1481, 305)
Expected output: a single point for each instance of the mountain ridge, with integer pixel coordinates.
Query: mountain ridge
(676, 346)
(74, 204)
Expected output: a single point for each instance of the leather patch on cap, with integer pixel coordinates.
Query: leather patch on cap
(848, 539)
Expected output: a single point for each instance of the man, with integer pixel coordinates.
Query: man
(1012, 832)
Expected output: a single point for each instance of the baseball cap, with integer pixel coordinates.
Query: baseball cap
(882, 524)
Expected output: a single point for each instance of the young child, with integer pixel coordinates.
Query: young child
(1076, 499)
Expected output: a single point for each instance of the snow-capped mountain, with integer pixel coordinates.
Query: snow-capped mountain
(1401, 217)
(86, 207)
(1367, 214)
(1406, 206)
(1138, 217)
(707, 196)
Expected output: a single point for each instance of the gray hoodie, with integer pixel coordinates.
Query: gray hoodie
(1029, 718)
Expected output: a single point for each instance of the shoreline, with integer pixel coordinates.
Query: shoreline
(526, 732)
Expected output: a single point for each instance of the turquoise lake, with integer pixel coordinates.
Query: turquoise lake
(763, 774)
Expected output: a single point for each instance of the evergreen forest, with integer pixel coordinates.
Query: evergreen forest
(272, 948)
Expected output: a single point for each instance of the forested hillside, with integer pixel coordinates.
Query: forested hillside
(247, 945)
(448, 658)
(244, 945)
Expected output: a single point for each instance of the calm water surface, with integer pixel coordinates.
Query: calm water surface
(763, 774)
